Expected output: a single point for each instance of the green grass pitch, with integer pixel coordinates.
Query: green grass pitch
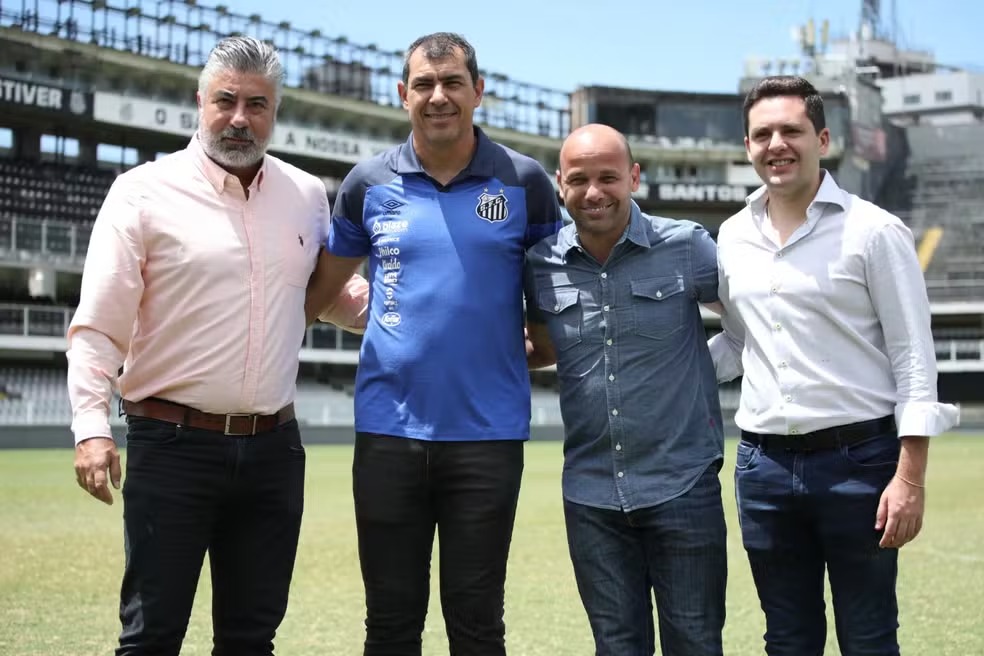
(61, 557)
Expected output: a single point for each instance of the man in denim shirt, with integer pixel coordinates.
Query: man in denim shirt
(615, 299)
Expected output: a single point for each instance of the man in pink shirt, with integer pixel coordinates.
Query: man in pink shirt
(194, 283)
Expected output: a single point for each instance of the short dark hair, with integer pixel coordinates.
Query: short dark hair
(441, 45)
(788, 85)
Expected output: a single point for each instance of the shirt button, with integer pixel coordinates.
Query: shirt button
(779, 254)
(794, 432)
(659, 294)
(777, 326)
(618, 447)
(788, 398)
(557, 308)
(605, 308)
(775, 290)
(783, 365)
(611, 376)
(609, 342)
(604, 275)
(620, 474)
(615, 412)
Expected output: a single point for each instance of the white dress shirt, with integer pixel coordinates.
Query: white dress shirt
(832, 327)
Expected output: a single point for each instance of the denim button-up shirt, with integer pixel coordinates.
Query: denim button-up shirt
(638, 393)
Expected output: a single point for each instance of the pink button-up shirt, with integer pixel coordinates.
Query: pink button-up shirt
(197, 289)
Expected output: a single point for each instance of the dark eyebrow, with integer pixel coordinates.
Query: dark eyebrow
(225, 94)
(428, 77)
(781, 126)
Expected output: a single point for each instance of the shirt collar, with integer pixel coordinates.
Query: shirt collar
(829, 193)
(482, 163)
(215, 174)
(636, 232)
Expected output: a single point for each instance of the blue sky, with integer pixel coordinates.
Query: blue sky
(695, 45)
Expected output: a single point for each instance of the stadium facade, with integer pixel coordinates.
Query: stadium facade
(89, 89)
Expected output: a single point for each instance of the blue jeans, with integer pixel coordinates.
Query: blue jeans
(188, 492)
(676, 550)
(404, 489)
(802, 513)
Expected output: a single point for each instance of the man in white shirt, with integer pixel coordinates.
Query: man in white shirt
(826, 315)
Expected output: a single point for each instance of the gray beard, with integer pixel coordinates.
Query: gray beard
(232, 157)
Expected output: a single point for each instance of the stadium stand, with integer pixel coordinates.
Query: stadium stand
(945, 189)
(47, 190)
(48, 208)
(34, 397)
(126, 71)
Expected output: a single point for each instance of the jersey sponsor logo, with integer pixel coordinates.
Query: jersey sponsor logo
(391, 277)
(492, 207)
(389, 226)
(391, 319)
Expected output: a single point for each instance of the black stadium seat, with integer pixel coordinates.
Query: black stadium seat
(52, 191)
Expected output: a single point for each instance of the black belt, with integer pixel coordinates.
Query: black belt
(828, 438)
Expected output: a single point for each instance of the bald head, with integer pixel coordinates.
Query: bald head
(597, 178)
(593, 140)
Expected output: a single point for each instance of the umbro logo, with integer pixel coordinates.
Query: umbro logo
(392, 206)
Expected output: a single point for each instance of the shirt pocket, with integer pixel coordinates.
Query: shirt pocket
(658, 306)
(297, 253)
(564, 316)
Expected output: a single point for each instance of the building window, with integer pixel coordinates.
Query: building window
(944, 96)
(912, 99)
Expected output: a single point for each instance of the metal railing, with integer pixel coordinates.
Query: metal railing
(25, 320)
(65, 243)
(42, 240)
(183, 32)
(959, 350)
(34, 320)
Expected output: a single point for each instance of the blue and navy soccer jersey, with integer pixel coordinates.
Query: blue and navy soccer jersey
(443, 357)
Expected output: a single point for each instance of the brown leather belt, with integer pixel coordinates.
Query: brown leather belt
(232, 424)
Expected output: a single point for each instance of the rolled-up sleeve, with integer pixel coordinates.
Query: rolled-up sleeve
(898, 293)
(100, 332)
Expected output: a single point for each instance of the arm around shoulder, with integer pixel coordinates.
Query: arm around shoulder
(540, 350)
(336, 293)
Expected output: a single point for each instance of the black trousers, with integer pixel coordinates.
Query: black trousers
(404, 489)
(188, 492)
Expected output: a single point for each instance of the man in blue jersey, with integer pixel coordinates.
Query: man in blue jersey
(442, 402)
(615, 299)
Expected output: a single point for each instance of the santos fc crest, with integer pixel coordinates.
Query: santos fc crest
(492, 207)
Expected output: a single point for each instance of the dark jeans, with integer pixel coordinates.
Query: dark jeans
(677, 550)
(403, 489)
(188, 492)
(802, 513)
